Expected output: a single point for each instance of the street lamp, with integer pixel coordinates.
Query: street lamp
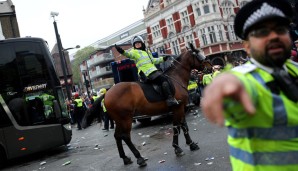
(77, 46)
(61, 54)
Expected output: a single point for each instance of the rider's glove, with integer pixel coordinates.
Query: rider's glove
(119, 49)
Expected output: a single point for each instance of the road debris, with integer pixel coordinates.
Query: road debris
(43, 163)
(66, 163)
(162, 161)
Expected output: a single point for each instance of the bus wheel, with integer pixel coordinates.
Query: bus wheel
(2, 158)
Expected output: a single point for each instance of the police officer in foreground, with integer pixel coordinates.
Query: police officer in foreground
(146, 66)
(259, 100)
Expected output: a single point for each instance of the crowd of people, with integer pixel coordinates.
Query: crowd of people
(79, 105)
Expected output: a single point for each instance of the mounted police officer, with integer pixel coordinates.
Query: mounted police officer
(259, 100)
(146, 66)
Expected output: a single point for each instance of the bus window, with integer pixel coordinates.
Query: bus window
(4, 120)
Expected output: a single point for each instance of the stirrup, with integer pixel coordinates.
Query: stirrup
(172, 102)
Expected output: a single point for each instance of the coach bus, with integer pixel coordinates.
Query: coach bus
(33, 115)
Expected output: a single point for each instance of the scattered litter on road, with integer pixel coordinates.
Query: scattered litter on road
(144, 143)
(145, 136)
(43, 163)
(165, 153)
(162, 161)
(197, 164)
(66, 163)
(140, 134)
(209, 163)
(145, 159)
(209, 158)
(83, 137)
(105, 135)
(41, 168)
(195, 129)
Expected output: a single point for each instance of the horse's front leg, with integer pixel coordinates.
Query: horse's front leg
(140, 160)
(193, 146)
(118, 138)
(175, 144)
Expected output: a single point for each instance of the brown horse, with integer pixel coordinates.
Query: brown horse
(125, 99)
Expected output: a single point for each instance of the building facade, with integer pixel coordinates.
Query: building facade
(208, 24)
(8, 21)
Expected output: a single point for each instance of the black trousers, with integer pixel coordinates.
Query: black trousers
(107, 121)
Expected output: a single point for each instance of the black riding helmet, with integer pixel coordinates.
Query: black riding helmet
(140, 40)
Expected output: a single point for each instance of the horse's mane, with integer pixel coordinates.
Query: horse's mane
(168, 65)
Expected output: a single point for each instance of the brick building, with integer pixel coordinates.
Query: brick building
(8, 21)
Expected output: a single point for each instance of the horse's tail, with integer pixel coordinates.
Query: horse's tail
(96, 111)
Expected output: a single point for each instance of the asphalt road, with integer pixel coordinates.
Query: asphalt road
(92, 149)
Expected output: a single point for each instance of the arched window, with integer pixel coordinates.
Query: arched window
(212, 34)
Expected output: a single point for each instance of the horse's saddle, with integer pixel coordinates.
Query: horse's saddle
(154, 92)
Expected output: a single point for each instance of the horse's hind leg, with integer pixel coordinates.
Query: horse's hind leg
(193, 146)
(175, 144)
(140, 160)
(118, 138)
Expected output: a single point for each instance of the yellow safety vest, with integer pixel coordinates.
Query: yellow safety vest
(144, 60)
(267, 140)
(79, 102)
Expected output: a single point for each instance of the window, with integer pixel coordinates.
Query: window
(206, 9)
(175, 47)
(156, 31)
(212, 36)
(184, 18)
(220, 33)
(170, 24)
(204, 38)
(198, 10)
(231, 32)
(214, 7)
(189, 39)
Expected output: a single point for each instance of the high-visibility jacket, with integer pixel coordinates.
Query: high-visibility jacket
(79, 102)
(192, 85)
(95, 97)
(207, 79)
(144, 60)
(267, 140)
(215, 74)
(47, 99)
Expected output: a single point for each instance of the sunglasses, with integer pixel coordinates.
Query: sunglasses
(265, 31)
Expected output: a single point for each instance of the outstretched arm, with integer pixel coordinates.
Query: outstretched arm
(223, 86)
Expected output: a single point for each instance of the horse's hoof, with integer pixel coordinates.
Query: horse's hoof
(141, 162)
(194, 146)
(179, 152)
(127, 160)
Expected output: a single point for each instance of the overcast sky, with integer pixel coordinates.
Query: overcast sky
(80, 22)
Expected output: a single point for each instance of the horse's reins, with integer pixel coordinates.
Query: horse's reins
(182, 67)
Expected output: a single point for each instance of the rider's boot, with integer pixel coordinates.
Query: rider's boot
(171, 101)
